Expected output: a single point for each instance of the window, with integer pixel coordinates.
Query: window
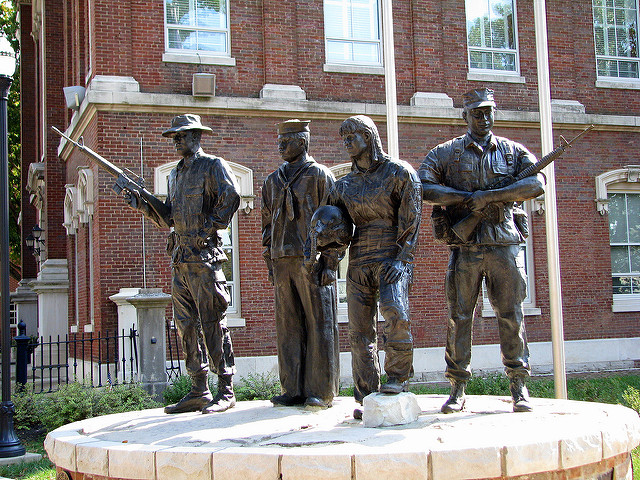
(615, 28)
(491, 35)
(231, 267)
(197, 26)
(618, 194)
(352, 32)
(624, 238)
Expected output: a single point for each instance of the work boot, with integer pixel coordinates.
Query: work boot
(315, 402)
(287, 400)
(394, 386)
(196, 399)
(455, 403)
(520, 395)
(224, 399)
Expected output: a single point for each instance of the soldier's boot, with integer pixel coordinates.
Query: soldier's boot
(520, 395)
(196, 399)
(455, 402)
(224, 399)
(394, 386)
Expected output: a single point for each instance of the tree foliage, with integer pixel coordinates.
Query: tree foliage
(9, 25)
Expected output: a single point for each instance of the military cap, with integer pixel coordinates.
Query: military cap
(293, 126)
(188, 121)
(481, 97)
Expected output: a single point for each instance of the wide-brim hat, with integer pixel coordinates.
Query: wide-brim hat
(188, 121)
(481, 97)
(293, 126)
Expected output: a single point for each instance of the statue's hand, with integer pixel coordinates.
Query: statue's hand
(327, 276)
(478, 200)
(393, 271)
(132, 199)
(270, 277)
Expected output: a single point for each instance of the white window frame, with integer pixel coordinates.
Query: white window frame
(623, 180)
(484, 74)
(244, 176)
(609, 81)
(206, 57)
(529, 303)
(341, 66)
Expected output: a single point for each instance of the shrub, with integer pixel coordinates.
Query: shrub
(178, 389)
(74, 402)
(631, 398)
(257, 386)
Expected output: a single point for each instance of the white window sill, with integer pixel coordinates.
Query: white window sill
(626, 303)
(197, 58)
(235, 321)
(495, 77)
(627, 83)
(529, 310)
(360, 69)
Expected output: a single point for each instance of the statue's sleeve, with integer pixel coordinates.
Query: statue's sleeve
(430, 169)
(266, 220)
(224, 189)
(409, 215)
(151, 214)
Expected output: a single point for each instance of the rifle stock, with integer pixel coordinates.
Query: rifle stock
(465, 227)
(123, 181)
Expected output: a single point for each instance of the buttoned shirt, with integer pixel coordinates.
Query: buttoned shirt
(465, 165)
(203, 195)
(384, 203)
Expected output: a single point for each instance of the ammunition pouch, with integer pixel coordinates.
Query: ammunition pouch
(521, 221)
(441, 224)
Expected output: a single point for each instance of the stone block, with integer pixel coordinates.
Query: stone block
(469, 463)
(314, 466)
(184, 463)
(274, 91)
(245, 464)
(431, 99)
(580, 449)
(403, 465)
(64, 450)
(382, 410)
(531, 457)
(133, 461)
(92, 458)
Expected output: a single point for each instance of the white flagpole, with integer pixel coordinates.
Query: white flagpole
(551, 213)
(390, 79)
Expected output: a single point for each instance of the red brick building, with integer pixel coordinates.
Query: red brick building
(246, 65)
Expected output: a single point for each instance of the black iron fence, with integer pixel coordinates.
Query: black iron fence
(94, 359)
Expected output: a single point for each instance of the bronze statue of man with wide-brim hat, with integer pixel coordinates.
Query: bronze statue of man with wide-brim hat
(203, 196)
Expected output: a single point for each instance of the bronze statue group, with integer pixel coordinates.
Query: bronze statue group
(309, 219)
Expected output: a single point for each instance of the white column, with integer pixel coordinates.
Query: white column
(551, 213)
(390, 79)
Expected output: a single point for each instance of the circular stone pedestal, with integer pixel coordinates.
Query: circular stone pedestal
(558, 440)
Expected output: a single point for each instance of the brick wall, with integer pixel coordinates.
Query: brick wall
(283, 43)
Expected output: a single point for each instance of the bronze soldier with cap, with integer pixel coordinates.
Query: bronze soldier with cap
(202, 199)
(305, 302)
(455, 175)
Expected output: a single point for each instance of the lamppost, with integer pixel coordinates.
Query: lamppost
(10, 445)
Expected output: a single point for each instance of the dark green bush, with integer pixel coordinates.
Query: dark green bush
(74, 402)
(257, 386)
(631, 398)
(178, 389)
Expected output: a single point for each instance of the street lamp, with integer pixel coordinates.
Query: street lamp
(10, 445)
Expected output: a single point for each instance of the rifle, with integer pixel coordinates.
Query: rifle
(465, 227)
(123, 181)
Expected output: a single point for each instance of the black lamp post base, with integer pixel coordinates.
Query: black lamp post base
(10, 445)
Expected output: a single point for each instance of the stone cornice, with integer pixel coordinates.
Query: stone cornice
(97, 100)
